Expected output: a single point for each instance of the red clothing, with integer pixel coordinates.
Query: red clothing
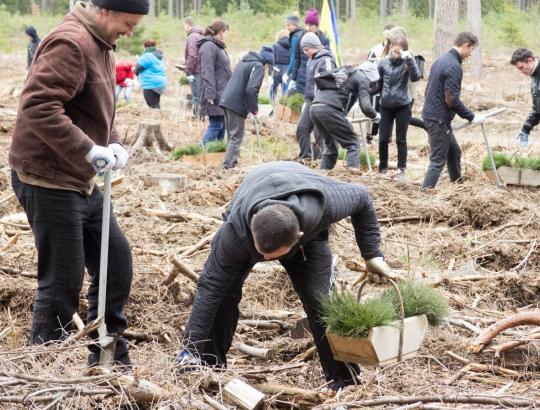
(124, 69)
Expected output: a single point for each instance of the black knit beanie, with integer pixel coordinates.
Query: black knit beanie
(125, 6)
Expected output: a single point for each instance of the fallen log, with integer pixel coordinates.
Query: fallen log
(243, 395)
(479, 367)
(259, 352)
(266, 324)
(309, 397)
(514, 343)
(17, 272)
(522, 318)
(181, 216)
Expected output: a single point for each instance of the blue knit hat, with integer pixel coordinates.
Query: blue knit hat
(267, 55)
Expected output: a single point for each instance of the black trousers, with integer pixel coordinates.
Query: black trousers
(303, 135)
(311, 278)
(67, 234)
(335, 129)
(401, 116)
(443, 149)
(152, 98)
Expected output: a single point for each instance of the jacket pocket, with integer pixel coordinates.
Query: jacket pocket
(39, 170)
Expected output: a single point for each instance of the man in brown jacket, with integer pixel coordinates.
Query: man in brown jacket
(64, 126)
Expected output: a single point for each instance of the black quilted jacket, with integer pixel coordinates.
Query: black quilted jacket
(317, 200)
(533, 118)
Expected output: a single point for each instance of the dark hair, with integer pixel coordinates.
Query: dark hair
(273, 227)
(466, 37)
(521, 55)
(149, 43)
(388, 27)
(189, 21)
(216, 27)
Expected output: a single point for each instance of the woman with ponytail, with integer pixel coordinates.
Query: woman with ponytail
(215, 72)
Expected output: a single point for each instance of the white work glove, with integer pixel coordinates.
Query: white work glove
(406, 54)
(478, 119)
(377, 118)
(101, 158)
(291, 86)
(379, 271)
(128, 82)
(523, 139)
(285, 78)
(190, 78)
(121, 156)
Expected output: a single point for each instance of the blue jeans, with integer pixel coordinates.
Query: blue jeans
(215, 130)
(127, 93)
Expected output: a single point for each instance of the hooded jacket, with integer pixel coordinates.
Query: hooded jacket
(214, 74)
(190, 54)
(32, 45)
(395, 75)
(296, 70)
(242, 92)
(281, 52)
(533, 118)
(151, 70)
(356, 87)
(322, 61)
(66, 106)
(317, 200)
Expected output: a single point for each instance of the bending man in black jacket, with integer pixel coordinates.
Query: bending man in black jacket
(330, 107)
(241, 97)
(441, 105)
(282, 211)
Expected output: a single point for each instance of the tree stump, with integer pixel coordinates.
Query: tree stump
(149, 134)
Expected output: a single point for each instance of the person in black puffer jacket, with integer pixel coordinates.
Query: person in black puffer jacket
(395, 72)
(240, 98)
(214, 74)
(281, 211)
(320, 60)
(329, 114)
(281, 62)
(296, 70)
(32, 44)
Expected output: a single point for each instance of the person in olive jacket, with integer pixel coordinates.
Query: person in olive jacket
(214, 74)
(241, 97)
(395, 72)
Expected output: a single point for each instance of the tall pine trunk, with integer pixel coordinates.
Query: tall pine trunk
(474, 21)
(446, 18)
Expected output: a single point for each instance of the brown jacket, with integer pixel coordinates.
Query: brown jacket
(67, 105)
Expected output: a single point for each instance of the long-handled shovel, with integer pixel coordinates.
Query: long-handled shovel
(256, 123)
(106, 342)
(364, 140)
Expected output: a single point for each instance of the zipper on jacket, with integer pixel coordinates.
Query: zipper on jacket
(303, 253)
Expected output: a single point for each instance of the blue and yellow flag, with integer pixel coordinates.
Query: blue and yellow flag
(328, 25)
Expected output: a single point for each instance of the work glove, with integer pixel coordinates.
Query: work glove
(291, 86)
(285, 78)
(187, 359)
(377, 118)
(379, 271)
(190, 78)
(121, 156)
(478, 119)
(210, 101)
(523, 138)
(406, 54)
(101, 158)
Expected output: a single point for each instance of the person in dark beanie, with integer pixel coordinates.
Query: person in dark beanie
(240, 99)
(319, 60)
(312, 20)
(281, 62)
(152, 75)
(295, 77)
(64, 133)
(331, 104)
(524, 61)
(194, 34)
(215, 72)
(32, 44)
(281, 211)
(442, 103)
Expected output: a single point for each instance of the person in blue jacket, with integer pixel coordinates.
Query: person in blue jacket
(295, 77)
(151, 71)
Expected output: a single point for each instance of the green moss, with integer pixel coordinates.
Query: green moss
(189, 149)
(344, 316)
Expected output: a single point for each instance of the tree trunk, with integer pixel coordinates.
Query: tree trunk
(152, 13)
(404, 6)
(71, 4)
(474, 20)
(353, 10)
(446, 18)
(338, 9)
(431, 7)
(171, 8)
(383, 10)
(182, 9)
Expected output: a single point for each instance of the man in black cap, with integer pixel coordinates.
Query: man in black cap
(64, 133)
(32, 44)
(241, 97)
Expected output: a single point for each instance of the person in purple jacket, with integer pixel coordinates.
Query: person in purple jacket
(194, 34)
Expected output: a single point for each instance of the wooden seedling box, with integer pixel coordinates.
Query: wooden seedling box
(295, 117)
(286, 114)
(209, 159)
(279, 111)
(381, 346)
(516, 176)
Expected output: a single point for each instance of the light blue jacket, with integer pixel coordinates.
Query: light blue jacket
(151, 70)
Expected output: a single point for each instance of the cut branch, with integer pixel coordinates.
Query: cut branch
(518, 319)
(181, 267)
(259, 352)
(514, 343)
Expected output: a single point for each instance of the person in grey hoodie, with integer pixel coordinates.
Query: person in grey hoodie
(240, 98)
(281, 211)
(32, 45)
(319, 60)
(194, 34)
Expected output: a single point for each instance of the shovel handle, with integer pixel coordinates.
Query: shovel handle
(489, 114)
(401, 312)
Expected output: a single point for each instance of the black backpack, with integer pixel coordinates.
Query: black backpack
(420, 63)
(334, 79)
